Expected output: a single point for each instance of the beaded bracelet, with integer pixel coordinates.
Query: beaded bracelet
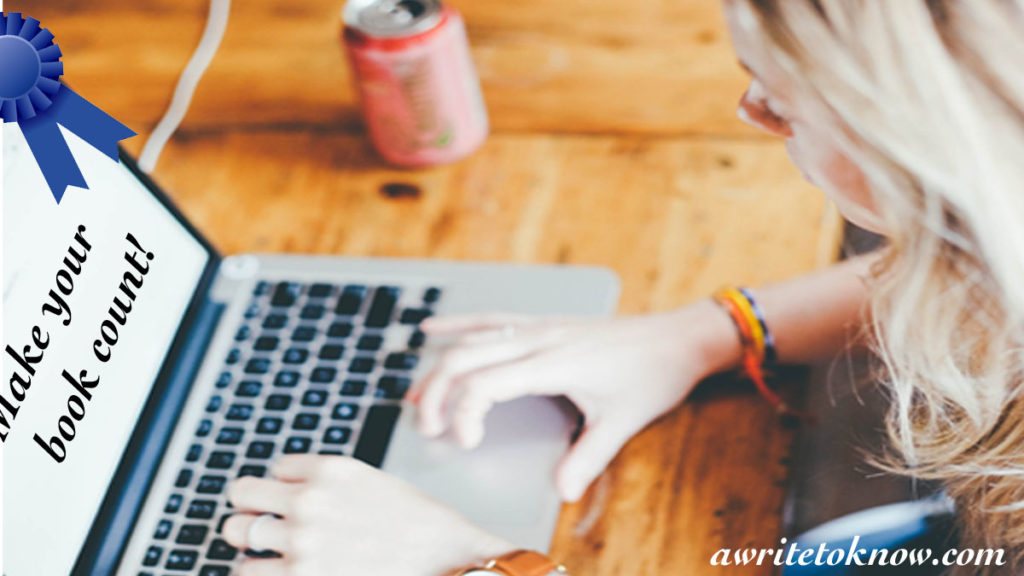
(758, 344)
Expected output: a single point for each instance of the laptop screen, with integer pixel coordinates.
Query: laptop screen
(95, 289)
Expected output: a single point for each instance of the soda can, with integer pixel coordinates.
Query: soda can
(418, 89)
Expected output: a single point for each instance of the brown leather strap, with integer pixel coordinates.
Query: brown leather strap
(525, 563)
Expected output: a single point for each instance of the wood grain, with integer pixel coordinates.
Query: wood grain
(615, 144)
(601, 66)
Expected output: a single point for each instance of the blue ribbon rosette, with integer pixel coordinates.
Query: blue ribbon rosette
(32, 95)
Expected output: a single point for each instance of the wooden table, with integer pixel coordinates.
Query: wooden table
(615, 143)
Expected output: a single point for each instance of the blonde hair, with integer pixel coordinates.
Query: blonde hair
(926, 97)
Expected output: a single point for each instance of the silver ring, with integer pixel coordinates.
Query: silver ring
(252, 531)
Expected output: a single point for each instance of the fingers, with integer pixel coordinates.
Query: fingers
(297, 467)
(248, 531)
(476, 393)
(262, 495)
(431, 392)
(275, 567)
(589, 456)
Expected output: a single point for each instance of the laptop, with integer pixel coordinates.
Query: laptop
(168, 370)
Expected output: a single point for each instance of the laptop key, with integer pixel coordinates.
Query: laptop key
(220, 460)
(224, 380)
(340, 329)
(312, 312)
(331, 352)
(431, 295)
(361, 365)
(252, 311)
(323, 375)
(261, 288)
(376, 434)
(320, 290)
(192, 534)
(181, 560)
(306, 421)
(417, 339)
(214, 403)
(260, 450)
(257, 366)
(351, 300)
(304, 334)
(215, 570)
(275, 321)
(233, 356)
(221, 550)
(278, 402)
(297, 445)
(210, 484)
(337, 435)
(195, 452)
(201, 509)
(369, 342)
(286, 379)
(249, 388)
(314, 398)
(261, 554)
(400, 361)
(204, 428)
(256, 470)
(295, 356)
(239, 412)
(285, 294)
(345, 411)
(353, 388)
(268, 425)
(414, 315)
(184, 478)
(173, 504)
(243, 333)
(265, 343)
(393, 387)
(382, 307)
(152, 557)
(230, 435)
(163, 529)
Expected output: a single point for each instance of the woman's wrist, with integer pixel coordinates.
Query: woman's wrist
(719, 345)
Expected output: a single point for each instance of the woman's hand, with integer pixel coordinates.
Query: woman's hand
(621, 373)
(340, 516)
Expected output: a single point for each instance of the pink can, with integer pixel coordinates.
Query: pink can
(420, 94)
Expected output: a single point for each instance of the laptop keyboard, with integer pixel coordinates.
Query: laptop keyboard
(315, 368)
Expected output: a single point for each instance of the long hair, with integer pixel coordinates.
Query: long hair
(926, 97)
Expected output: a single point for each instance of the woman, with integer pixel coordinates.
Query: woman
(910, 115)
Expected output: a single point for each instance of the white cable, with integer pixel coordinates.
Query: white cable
(216, 25)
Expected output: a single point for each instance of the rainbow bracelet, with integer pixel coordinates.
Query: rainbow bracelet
(757, 341)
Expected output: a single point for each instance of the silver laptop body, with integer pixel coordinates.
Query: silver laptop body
(527, 435)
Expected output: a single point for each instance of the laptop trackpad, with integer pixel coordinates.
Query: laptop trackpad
(508, 480)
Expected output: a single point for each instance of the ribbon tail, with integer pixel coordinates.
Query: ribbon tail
(52, 155)
(87, 121)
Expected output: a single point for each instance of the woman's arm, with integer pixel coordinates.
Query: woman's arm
(811, 317)
(624, 372)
